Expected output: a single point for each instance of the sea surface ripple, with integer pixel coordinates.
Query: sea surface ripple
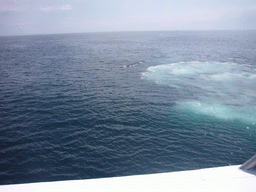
(80, 106)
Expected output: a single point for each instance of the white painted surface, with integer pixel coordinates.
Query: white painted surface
(229, 178)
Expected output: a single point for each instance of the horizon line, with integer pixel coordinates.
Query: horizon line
(125, 31)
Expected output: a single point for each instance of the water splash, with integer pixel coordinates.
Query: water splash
(221, 90)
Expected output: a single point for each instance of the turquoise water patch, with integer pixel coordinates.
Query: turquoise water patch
(221, 90)
(220, 111)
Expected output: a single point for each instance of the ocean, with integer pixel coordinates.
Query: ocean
(96, 105)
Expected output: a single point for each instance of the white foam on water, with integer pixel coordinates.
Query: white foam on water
(220, 111)
(222, 90)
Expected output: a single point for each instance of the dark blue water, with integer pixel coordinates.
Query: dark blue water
(81, 106)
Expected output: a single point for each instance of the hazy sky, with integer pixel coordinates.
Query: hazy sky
(21, 17)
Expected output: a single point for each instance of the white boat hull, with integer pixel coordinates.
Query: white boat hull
(229, 178)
